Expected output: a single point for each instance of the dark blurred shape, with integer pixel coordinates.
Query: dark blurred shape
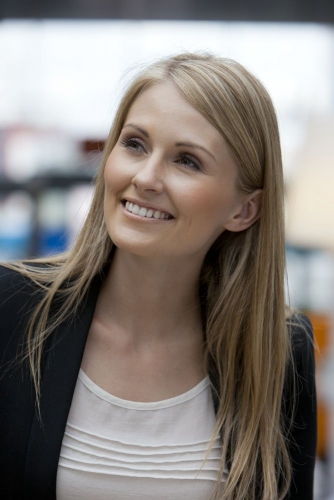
(92, 146)
(214, 10)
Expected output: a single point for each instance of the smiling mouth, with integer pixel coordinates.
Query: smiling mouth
(145, 212)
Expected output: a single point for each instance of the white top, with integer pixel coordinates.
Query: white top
(117, 449)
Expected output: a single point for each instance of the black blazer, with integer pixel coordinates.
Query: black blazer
(30, 449)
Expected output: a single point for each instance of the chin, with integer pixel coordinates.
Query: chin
(141, 249)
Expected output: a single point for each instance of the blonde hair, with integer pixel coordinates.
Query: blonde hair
(247, 346)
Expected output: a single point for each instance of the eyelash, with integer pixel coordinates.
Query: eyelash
(129, 144)
(134, 145)
(195, 164)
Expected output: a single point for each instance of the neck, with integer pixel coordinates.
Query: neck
(151, 299)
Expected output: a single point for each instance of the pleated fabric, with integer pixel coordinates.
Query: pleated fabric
(118, 449)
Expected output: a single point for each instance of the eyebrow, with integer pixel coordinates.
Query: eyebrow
(141, 130)
(177, 144)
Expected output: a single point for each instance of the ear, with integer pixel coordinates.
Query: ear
(249, 213)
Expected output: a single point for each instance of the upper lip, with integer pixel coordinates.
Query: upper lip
(146, 204)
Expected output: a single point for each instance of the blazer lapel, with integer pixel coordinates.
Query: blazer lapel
(61, 369)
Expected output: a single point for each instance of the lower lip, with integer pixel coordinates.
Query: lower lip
(151, 220)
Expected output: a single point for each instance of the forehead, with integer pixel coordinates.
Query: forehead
(166, 99)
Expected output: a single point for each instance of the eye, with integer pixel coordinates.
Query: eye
(132, 144)
(188, 161)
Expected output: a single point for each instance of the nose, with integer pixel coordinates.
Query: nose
(149, 176)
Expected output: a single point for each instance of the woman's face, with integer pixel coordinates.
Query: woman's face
(170, 179)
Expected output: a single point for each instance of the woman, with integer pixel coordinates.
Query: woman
(161, 362)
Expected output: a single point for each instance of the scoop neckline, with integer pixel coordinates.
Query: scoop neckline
(138, 405)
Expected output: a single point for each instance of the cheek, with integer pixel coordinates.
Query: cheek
(113, 174)
(211, 203)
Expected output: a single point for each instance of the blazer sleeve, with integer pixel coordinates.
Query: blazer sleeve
(17, 398)
(301, 410)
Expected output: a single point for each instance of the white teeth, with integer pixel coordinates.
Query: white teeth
(142, 211)
(145, 212)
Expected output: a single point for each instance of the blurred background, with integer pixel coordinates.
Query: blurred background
(63, 67)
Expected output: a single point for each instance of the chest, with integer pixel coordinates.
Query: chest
(146, 372)
(134, 450)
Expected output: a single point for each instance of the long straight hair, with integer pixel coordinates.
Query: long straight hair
(247, 346)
